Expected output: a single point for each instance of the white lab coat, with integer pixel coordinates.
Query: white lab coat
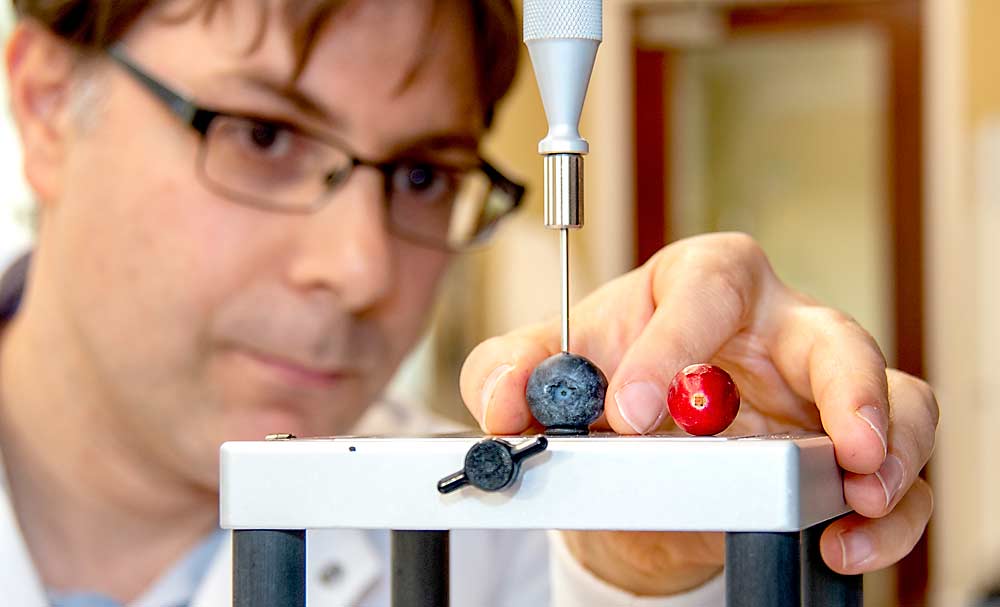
(350, 567)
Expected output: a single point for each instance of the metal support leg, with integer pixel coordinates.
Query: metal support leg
(269, 568)
(762, 570)
(821, 586)
(420, 568)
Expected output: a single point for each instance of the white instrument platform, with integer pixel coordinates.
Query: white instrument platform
(602, 481)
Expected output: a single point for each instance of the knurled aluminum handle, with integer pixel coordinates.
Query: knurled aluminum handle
(550, 19)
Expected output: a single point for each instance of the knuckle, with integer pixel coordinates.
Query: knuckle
(820, 320)
(837, 324)
(928, 399)
(928, 493)
(719, 247)
(747, 245)
(922, 408)
(920, 508)
(736, 251)
(929, 424)
(923, 389)
(741, 244)
(707, 274)
(833, 317)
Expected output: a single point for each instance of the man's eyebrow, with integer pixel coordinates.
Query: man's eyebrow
(448, 141)
(295, 96)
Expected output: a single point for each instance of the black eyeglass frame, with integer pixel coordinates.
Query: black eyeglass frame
(200, 119)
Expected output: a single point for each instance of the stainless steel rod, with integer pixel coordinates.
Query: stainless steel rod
(564, 249)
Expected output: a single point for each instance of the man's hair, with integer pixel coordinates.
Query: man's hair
(94, 25)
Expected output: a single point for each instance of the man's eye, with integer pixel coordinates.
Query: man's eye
(268, 138)
(420, 178)
(423, 180)
(263, 135)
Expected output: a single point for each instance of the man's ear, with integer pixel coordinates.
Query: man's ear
(40, 71)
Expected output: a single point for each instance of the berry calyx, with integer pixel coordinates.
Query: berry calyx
(703, 399)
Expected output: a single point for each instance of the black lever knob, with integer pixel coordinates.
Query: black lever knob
(492, 464)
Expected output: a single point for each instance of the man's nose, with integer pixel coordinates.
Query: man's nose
(345, 247)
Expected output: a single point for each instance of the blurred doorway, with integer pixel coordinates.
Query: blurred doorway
(801, 124)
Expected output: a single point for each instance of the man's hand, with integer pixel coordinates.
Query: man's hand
(798, 365)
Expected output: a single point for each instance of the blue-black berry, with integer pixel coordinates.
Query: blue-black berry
(566, 393)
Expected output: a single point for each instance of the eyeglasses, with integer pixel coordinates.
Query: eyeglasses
(274, 165)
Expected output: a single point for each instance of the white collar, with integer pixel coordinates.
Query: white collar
(342, 565)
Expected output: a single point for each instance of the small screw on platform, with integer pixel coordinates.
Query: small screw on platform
(280, 436)
(492, 464)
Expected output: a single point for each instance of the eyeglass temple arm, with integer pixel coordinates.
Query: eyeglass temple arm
(180, 106)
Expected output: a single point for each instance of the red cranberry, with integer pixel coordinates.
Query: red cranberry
(703, 399)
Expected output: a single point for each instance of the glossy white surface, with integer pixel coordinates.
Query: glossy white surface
(775, 483)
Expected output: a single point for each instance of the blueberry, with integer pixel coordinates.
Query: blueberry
(566, 393)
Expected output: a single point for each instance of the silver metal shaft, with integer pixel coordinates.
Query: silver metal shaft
(563, 177)
(564, 254)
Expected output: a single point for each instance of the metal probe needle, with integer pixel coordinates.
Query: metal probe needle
(564, 254)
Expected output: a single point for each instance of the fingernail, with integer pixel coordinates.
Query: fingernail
(875, 418)
(856, 547)
(489, 387)
(642, 405)
(891, 477)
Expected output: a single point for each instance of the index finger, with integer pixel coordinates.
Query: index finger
(495, 374)
(700, 305)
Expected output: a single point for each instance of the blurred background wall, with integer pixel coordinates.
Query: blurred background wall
(857, 140)
(966, 296)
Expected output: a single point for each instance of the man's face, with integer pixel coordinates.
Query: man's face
(205, 320)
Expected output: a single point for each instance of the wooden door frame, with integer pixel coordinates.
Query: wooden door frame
(900, 21)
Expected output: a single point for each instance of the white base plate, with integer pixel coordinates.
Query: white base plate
(664, 483)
